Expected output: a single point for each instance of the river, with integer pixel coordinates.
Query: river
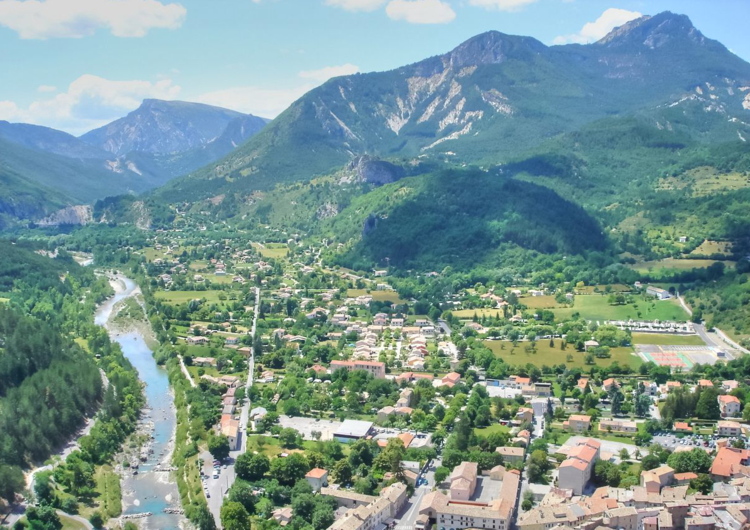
(149, 490)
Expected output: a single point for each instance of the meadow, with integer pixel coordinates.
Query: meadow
(550, 356)
(379, 296)
(182, 297)
(674, 264)
(597, 307)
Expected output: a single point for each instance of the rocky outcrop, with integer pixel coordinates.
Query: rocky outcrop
(72, 215)
(373, 171)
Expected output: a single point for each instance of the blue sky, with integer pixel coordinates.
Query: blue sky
(77, 64)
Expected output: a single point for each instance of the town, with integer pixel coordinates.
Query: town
(341, 401)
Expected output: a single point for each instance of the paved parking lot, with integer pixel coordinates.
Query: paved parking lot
(607, 446)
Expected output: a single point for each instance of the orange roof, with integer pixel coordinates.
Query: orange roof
(729, 399)
(583, 452)
(580, 417)
(424, 376)
(705, 382)
(316, 473)
(682, 426)
(574, 462)
(407, 438)
(685, 476)
(523, 380)
(727, 460)
(453, 377)
(673, 384)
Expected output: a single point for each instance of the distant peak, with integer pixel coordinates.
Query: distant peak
(493, 47)
(654, 31)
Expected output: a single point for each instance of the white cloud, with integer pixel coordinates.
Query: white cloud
(89, 102)
(263, 102)
(420, 11)
(502, 5)
(324, 74)
(46, 19)
(357, 5)
(46, 88)
(593, 31)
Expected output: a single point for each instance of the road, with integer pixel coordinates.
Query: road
(185, 372)
(217, 487)
(444, 326)
(718, 339)
(410, 511)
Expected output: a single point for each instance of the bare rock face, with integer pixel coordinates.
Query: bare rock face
(373, 171)
(72, 215)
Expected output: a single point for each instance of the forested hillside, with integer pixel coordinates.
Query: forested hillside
(51, 354)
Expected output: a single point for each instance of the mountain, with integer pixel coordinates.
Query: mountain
(164, 127)
(488, 99)
(49, 140)
(44, 169)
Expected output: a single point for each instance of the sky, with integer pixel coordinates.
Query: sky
(75, 65)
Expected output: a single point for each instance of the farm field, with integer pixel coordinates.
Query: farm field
(709, 247)
(468, 314)
(379, 296)
(491, 429)
(553, 356)
(539, 302)
(676, 264)
(664, 339)
(181, 297)
(272, 250)
(597, 307)
(594, 289)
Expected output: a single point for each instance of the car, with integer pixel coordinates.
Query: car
(216, 475)
(208, 495)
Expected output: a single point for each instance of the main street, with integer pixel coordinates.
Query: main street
(410, 511)
(216, 488)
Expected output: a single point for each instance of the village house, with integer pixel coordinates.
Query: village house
(728, 428)
(623, 426)
(577, 423)
(511, 454)
(730, 406)
(575, 471)
(655, 479)
(317, 478)
(463, 481)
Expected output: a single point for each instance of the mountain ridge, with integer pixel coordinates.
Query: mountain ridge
(489, 97)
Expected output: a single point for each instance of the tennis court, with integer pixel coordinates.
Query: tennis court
(677, 357)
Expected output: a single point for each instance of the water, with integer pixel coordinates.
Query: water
(149, 491)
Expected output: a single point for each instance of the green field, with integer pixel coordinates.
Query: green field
(468, 314)
(68, 523)
(491, 429)
(539, 302)
(672, 264)
(709, 247)
(594, 289)
(664, 339)
(597, 307)
(554, 356)
(272, 250)
(182, 297)
(379, 296)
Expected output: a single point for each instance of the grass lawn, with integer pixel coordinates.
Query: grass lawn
(593, 289)
(491, 429)
(182, 297)
(554, 356)
(671, 264)
(667, 339)
(83, 343)
(539, 302)
(207, 370)
(68, 523)
(273, 250)
(151, 254)
(597, 307)
(379, 296)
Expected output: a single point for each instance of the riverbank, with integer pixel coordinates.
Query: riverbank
(144, 464)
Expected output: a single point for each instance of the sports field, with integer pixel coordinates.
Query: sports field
(667, 339)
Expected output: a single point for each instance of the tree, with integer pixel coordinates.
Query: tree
(96, 519)
(606, 474)
(251, 466)
(649, 462)
(441, 473)
(45, 518)
(702, 483)
(11, 482)
(624, 454)
(616, 401)
(303, 506)
(218, 446)
(234, 516)
(323, 517)
(697, 461)
(642, 405)
(707, 407)
(288, 470)
(342, 472)
(389, 459)
(289, 438)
